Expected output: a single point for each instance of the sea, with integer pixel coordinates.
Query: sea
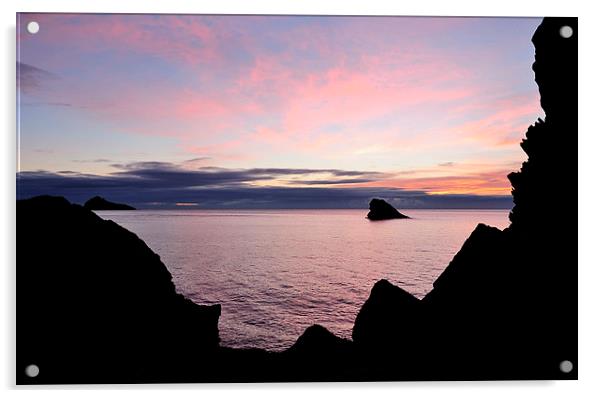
(277, 272)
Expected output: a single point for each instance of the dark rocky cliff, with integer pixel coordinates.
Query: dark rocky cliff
(95, 304)
(506, 306)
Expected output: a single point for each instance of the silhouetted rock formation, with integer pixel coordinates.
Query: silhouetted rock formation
(381, 210)
(98, 203)
(506, 306)
(383, 316)
(95, 304)
(317, 340)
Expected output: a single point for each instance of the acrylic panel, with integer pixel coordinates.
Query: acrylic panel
(264, 198)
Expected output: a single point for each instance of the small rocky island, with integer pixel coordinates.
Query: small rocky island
(98, 203)
(381, 210)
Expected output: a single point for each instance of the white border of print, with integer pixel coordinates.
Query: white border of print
(590, 144)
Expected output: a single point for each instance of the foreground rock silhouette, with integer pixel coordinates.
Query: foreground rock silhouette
(381, 210)
(96, 305)
(506, 306)
(94, 300)
(98, 203)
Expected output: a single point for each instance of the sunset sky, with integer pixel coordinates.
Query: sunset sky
(258, 111)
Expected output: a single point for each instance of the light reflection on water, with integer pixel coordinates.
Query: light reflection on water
(276, 272)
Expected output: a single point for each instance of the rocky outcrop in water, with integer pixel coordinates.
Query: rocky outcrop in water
(98, 203)
(381, 210)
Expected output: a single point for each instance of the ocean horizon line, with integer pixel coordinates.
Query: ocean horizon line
(199, 208)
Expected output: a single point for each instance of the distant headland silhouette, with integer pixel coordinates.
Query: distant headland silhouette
(99, 203)
(96, 305)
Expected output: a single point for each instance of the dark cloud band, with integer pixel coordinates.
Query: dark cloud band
(159, 184)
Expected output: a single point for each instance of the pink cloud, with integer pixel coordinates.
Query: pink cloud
(477, 182)
(504, 124)
(238, 94)
(181, 38)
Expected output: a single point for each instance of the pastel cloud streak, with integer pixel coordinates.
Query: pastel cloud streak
(394, 96)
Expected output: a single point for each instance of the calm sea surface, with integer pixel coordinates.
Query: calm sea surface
(276, 272)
